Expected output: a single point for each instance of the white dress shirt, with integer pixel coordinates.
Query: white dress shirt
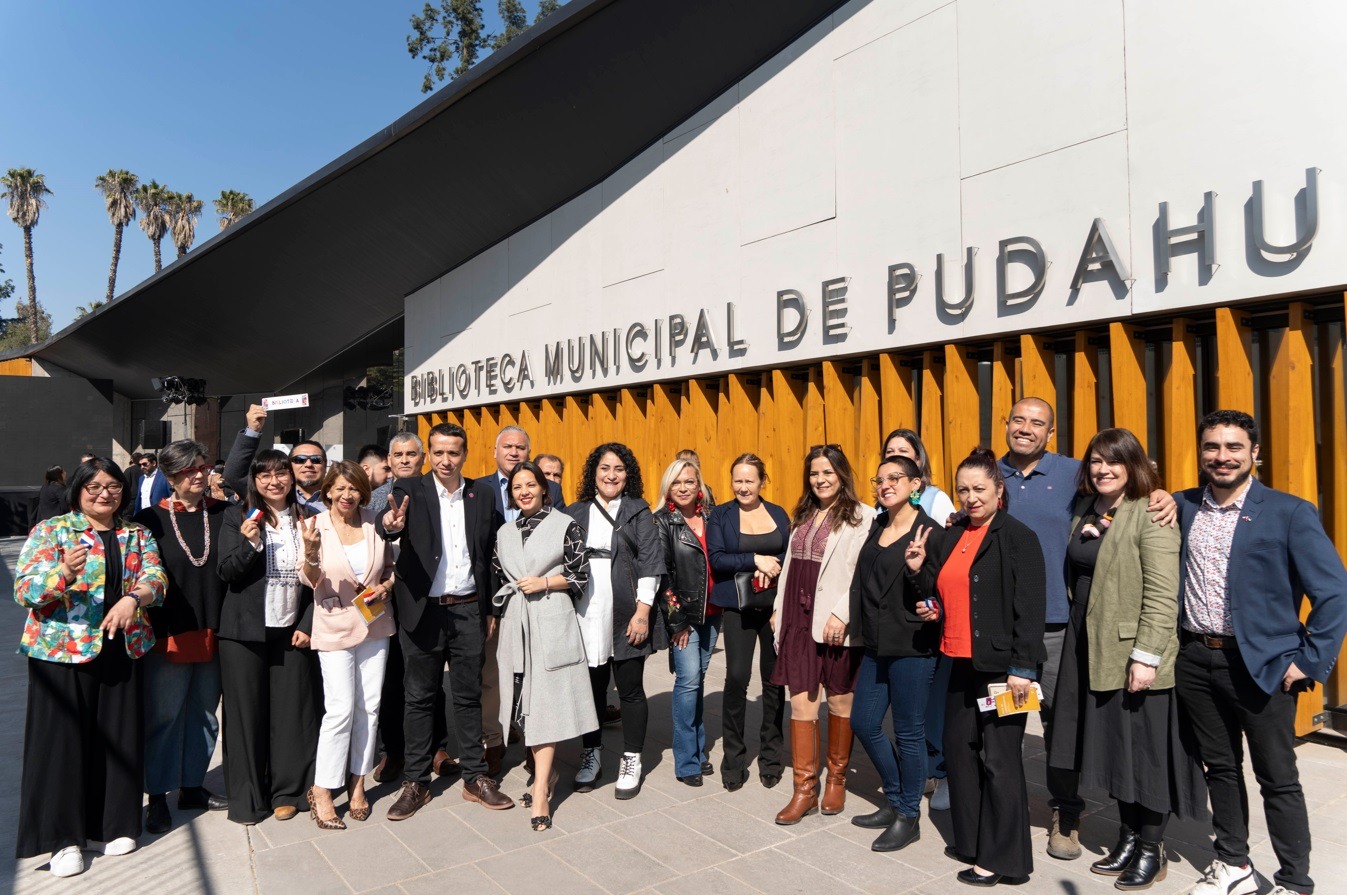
(146, 487)
(454, 575)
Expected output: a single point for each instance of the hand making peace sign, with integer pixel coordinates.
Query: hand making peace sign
(916, 548)
(396, 517)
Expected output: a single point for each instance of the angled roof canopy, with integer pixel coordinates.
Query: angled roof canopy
(528, 128)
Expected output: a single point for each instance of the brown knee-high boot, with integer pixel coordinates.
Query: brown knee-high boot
(839, 757)
(804, 761)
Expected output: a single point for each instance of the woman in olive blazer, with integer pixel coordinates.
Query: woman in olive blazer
(1114, 705)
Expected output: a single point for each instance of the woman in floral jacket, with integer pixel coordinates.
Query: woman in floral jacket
(85, 578)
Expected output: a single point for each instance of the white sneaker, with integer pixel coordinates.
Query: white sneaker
(940, 798)
(629, 776)
(122, 845)
(588, 775)
(69, 861)
(1221, 878)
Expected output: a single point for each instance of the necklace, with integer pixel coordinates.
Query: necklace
(967, 540)
(177, 532)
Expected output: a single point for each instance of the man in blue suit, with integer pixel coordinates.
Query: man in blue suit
(1249, 554)
(152, 486)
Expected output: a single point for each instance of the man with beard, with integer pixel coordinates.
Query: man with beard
(1041, 486)
(1249, 554)
(374, 460)
(308, 462)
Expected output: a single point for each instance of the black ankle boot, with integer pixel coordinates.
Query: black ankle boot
(901, 833)
(876, 821)
(1148, 865)
(1116, 861)
(157, 818)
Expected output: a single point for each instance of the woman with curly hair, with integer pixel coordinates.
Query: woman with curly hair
(812, 622)
(625, 563)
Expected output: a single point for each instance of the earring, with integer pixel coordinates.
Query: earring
(914, 498)
(671, 506)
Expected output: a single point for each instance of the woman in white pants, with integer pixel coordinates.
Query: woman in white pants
(345, 561)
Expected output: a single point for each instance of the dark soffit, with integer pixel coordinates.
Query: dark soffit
(333, 257)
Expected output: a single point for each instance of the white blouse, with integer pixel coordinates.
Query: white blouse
(283, 555)
(595, 607)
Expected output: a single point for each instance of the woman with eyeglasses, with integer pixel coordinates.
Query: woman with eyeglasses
(899, 658)
(270, 684)
(813, 624)
(746, 540)
(86, 578)
(182, 673)
(937, 505)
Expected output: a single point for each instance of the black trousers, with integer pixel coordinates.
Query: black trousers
(271, 716)
(742, 633)
(455, 634)
(1063, 783)
(988, 798)
(391, 706)
(629, 677)
(1224, 704)
(83, 752)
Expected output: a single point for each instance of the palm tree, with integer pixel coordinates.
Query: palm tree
(183, 210)
(119, 196)
(150, 199)
(25, 189)
(86, 310)
(232, 206)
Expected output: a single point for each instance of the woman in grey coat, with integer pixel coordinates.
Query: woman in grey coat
(540, 563)
(626, 560)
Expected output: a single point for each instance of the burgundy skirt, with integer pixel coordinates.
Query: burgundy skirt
(802, 664)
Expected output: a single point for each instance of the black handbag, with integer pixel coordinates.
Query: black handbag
(748, 598)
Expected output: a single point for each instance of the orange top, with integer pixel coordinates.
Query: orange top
(956, 640)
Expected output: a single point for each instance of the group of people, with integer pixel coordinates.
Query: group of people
(1153, 631)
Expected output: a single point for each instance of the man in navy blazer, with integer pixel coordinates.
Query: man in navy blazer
(1249, 554)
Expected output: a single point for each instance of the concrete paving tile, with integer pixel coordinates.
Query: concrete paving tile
(615, 864)
(441, 839)
(466, 880)
(743, 833)
(278, 833)
(369, 858)
(710, 880)
(530, 870)
(763, 803)
(855, 864)
(507, 830)
(775, 870)
(384, 890)
(671, 843)
(294, 868)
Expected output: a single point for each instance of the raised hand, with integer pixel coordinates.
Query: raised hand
(313, 540)
(396, 517)
(916, 548)
(251, 529)
(257, 417)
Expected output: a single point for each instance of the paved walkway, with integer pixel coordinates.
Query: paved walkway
(672, 839)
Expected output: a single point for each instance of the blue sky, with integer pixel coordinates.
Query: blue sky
(246, 95)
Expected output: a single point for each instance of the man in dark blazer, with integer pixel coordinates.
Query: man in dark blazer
(447, 528)
(1249, 554)
(511, 449)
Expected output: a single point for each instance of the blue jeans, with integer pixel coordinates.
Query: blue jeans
(180, 723)
(903, 685)
(689, 664)
(935, 719)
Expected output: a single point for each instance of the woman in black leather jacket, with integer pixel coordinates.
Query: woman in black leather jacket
(692, 622)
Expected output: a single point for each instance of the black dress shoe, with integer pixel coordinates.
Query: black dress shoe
(876, 821)
(973, 878)
(952, 852)
(194, 798)
(1116, 861)
(733, 781)
(690, 779)
(157, 818)
(1148, 866)
(769, 780)
(707, 769)
(901, 833)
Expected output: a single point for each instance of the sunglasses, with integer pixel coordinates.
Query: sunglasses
(819, 447)
(315, 459)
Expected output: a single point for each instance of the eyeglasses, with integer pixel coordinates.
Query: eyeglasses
(196, 470)
(891, 479)
(94, 489)
(315, 459)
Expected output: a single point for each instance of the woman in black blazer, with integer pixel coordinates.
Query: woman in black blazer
(987, 580)
(900, 648)
(748, 536)
(267, 671)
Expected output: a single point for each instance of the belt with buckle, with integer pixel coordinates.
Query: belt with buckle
(1211, 641)
(453, 599)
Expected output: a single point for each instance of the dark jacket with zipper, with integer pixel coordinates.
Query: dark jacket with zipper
(895, 630)
(1005, 591)
(683, 587)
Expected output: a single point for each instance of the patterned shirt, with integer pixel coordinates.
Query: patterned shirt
(574, 568)
(1206, 591)
(810, 541)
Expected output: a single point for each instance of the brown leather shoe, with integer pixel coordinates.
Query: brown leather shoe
(804, 761)
(443, 764)
(839, 757)
(486, 792)
(411, 798)
(284, 812)
(388, 769)
(493, 756)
